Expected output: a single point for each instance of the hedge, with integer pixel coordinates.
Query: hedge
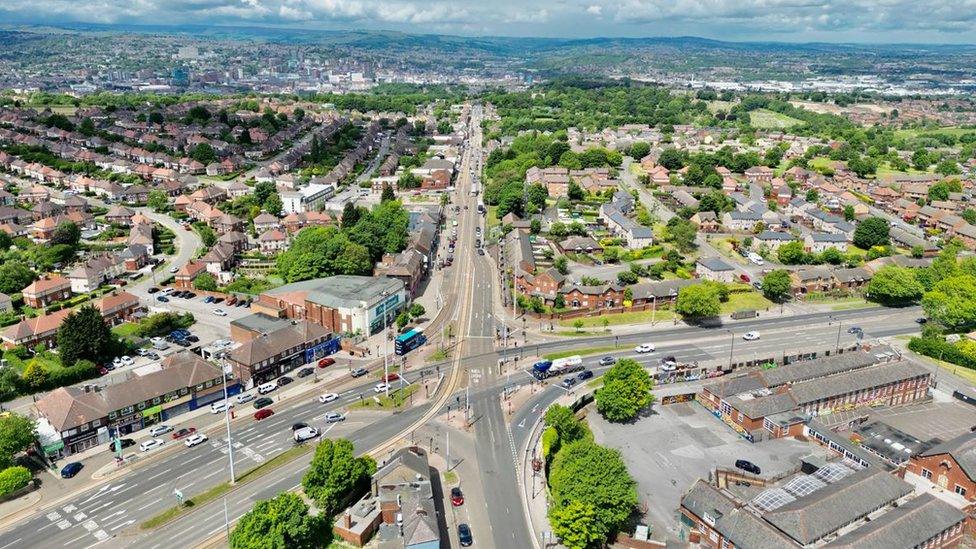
(13, 479)
(942, 350)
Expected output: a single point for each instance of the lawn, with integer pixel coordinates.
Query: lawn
(127, 329)
(737, 302)
(885, 169)
(907, 134)
(396, 399)
(765, 119)
(50, 361)
(491, 219)
(822, 162)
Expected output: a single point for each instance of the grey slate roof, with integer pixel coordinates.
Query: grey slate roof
(962, 449)
(909, 525)
(815, 369)
(775, 235)
(828, 237)
(738, 525)
(756, 408)
(715, 264)
(856, 380)
(343, 290)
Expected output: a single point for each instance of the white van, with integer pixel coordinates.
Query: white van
(267, 387)
(219, 406)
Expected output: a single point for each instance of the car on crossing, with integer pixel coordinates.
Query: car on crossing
(195, 439)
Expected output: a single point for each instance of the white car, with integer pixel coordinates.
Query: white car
(219, 312)
(174, 269)
(381, 387)
(668, 367)
(142, 352)
(306, 433)
(220, 406)
(245, 397)
(150, 444)
(644, 348)
(157, 339)
(159, 430)
(195, 439)
(328, 397)
(750, 336)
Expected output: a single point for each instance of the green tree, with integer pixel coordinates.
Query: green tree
(207, 235)
(575, 192)
(871, 232)
(590, 474)
(832, 256)
(388, 193)
(354, 260)
(681, 233)
(577, 525)
(34, 376)
(350, 215)
(561, 264)
(952, 301)
(626, 391)
(17, 432)
(83, 335)
(535, 226)
(893, 285)
(263, 191)
(203, 153)
(336, 474)
(6, 242)
(563, 420)
(282, 522)
(776, 284)
(813, 195)
(205, 282)
(698, 301)
(939, 191)
(848, 212)
(639, 150)
(66, 233)
(15, 276)
(13, 479)
(791, 253)
(157, 200)
(402, 320)
(417, 310)
(273, 205)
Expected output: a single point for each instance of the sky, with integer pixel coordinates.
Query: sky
(872, 21)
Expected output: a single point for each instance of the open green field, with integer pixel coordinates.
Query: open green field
(822, 162)
(885, 169)
(907, 134)
(719, 106)
(737, 302)
(770, 120)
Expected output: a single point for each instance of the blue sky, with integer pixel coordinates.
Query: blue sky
(878, 21)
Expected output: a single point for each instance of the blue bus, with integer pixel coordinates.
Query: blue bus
(409, 341)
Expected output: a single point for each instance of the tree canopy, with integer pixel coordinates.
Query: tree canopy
(17, 432)
(952, 301)
(83, 335)
(626, 391)
(776, 284)
(282, 522)
(698, 301)
(893, 285)
(335, 474)
(871, 232)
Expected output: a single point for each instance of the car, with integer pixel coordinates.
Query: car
(102, 370)
(142, 352)
(71, 469)
(184, 433)
(854, 329)
(174, 270)
(219, 312)
(152, 290)
(262, 402)
(668, 367)
(381, 387)
(150, 444)
(747, 465)
(284, 380)
(263, 414)
(584, 375)
(326, 362)
(299, 425)
(750, 336)
(208, 299)
(608, 361)
(391, 377)
(109, 366)
(358, 372)
(218, 300)
(328, 397)
(644, 348)
(192, 338)
(305, 372)
(464, 535)
(231, 300)
(333, 417)
(457, 498)
(757, 285)
(157, 430)
(245, 397)
(126, 442)
(745, 278)
(189, 295)
(569, 382)
(481, 251)
(243, 303)
(156, 339)
(921, 320)
(194, 440)
(220, 406)
(152, 356)
(162, 299)
(305, 433)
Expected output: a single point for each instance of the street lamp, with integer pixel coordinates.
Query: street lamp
(386, 349)
(731, 347)
(230, 446)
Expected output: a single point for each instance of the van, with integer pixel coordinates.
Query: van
(219, 407)
(160, 345)
(267, 388)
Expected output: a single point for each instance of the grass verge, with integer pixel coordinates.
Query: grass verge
(396, 399)
(450, 478)
(219, 490)
(581, 352)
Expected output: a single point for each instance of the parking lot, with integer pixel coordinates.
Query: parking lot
(676, 444)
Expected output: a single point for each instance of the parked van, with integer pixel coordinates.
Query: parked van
(219, 407)
(160, 345)
(267, 387)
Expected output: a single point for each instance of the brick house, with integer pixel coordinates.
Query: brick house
(950, 465)
(118, 307)
(47, 290)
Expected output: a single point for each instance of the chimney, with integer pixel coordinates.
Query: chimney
(347, 520)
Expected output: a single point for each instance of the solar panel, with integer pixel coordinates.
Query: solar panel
(832, 472)
(803, 485)
(771, 499)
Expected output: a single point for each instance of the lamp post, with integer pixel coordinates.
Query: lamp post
(731, 347)
(386, 350)
(230, 446)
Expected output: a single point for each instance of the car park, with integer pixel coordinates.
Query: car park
(305, 372)
(126, 442)
(262, 402)
(194, 440)
(359, 372)
(750, 336)
(305, 433)
(325, 362)
(748, 466)
(184, 433)
(608, 361)
(328, 397)
(644, 348)
(150, 444)
(71, 469)
(263, 414)
(457, 498)
(157, 430)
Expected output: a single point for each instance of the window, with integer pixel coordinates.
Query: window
(926, 474)
(960, 490)
(83, 428)
(141, 406)
(96, 423)
(157, 400)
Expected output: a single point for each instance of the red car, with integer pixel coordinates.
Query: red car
(744, 278)
(263, 413)
(326, 362)
(184, 433)
(457, 498)
(391, 377)
(102, 370)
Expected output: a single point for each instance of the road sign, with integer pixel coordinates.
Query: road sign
(179, 495)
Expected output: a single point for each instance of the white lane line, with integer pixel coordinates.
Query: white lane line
(71, 542)
(159, 475)
(148, 505)
(11, 543)
(212, 474)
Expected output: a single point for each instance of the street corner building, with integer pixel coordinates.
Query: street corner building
(268, 347)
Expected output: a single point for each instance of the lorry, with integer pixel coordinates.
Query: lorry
(553, 368)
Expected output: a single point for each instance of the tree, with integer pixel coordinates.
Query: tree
(535, 226)
(83, 335)
(157, 200)
(626, 391)
(354, 260)
(832, 255)
(350, 215)
(336, 474)
(66, 233)
(813, 195)
(207, 235)
(640, 149)
(578, 325)
(417, 310)
(205, 282)
(776, 284)
(536, 196)
(939, 191)
(203, 153)
(587, 473)
(698, 301)
(6, 242)
(388, 193)
(561, 264)
(273, 204)
(14, 276)
(791, 253)
(282, 522)
(263, 191)
(848, 212)
(672, 159)
(681, 233)
(402, 320)
(871, 232)
(893, 285)
(577, 525)
(952, 301)
(627, 278)
(563, 420)
(34, 376)
(17, 432)
(575, 192)
(13, 479)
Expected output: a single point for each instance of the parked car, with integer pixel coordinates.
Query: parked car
(218, 300)
(457, 498)
(854, 329)
(219, 312)
(262, 402)
(263, 414)
(184, 433)
(157, 430)
(644, 348)
(152, 290)
(102, 370)
(231, 301)
(299, 425)
(921, 320)
(174, 270)
(757, 285)
(747, 465)
(305, 372)
(325, 362)
(245, 397)
(359, 372)
(464, 535)
(162, 299)
(328, 397)
(189, 295)
(332, 417)
(208, 299)
(152, 356)
(71, 469)
(608, 361)
(220, 406)
(126, 442)
(745, 278)
(194, 440)
(192, 338)
(750, 336)
(142, 352)
(150, 444)
(284, 380)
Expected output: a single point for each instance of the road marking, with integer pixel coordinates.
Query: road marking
(71, 542)
(212, 474)
(71, 508)
(159, 475)
(54, 516)
(102, 535)
(80, 517)
(146, 506)
(64, 524)
(124, 524)
(11, 543)
(90, 525)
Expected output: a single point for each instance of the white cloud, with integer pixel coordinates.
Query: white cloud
(594, 9)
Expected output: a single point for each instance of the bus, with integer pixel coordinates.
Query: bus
(408, 342)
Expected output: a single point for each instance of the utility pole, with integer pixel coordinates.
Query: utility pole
(386, 350)
(230, 446)
(731, 347)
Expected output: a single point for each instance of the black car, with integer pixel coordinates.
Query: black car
(481, 251)
(584, 375)
(262, 402)
(299, 425)
(284, 380)
(359, 372)
(921, 320)
(162, 299)
(126, 442)
(854, 329)
(747, 465)
(71, 469)
(182, 342)
(153, 290)
(464, 535)
(305, 372)
(218, 300)
(190, 295)
(607, 361)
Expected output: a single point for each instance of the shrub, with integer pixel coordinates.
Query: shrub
(13, 479)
